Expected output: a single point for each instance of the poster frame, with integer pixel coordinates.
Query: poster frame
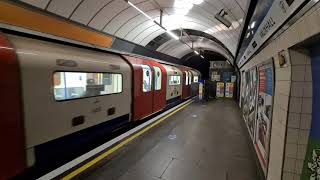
(271, 62)
(253, 134)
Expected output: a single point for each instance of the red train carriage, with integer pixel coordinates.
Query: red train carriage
(186, 82)
(57, 96)
(149, 92)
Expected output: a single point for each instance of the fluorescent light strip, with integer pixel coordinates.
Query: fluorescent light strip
(173, 35)
(146, 15)
(197, 53)
(201, 56)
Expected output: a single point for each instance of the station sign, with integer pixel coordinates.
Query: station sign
(278, 13)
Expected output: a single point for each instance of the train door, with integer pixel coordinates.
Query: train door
(190, 82)
(145, 105)
(159, 88)
(185, 84)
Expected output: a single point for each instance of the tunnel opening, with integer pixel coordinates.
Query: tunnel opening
(202, 64)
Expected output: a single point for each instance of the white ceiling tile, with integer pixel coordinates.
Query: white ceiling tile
(63, 8)
(126, 15)
(37, 3)
(108, 13)
(88, 8)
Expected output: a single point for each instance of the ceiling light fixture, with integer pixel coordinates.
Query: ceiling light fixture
(220, 16)
(197, 53)
(172, 35)
(146, 15)
(201, 56)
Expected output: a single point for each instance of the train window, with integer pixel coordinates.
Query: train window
(147, 78)
(158, 78)
(190, 77)
(75, 85)
(195, 78)
(174, 80)
(187, 77)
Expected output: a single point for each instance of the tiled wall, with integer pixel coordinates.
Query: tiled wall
(299, 114)
(287, 146)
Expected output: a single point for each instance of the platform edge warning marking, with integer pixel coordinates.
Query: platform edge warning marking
(120, 145)
(154, 122)
(19, 16)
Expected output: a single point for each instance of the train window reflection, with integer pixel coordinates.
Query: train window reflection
(190, 77)
(158, 77)
(147, 78)
(195, 78)
(174, 80)
(74, 85)
(187, 77)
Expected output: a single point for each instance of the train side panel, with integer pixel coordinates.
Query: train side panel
(12, 155)
(47, 118)
(174, 83)
(159, 85)
(142, 101)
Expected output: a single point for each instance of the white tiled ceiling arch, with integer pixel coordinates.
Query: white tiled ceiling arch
(173, 48)
(118, 18)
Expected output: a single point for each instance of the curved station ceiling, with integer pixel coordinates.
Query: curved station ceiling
(119, 18)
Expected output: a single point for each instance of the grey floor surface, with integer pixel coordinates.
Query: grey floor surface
(205, 141)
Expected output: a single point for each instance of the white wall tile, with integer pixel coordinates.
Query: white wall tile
(283, 74)
(307, 89)
(298, 57)
(291, 150)
(313, 24)
(308, 73)
(296, 177)
(287, 176)
(292, 135)
(303, 137)
(283, 87)
(298, 72)
(289, 164)
(302, 149)
(299, 166)
(305, 122)
(295, 105)
(297, 89)
(294, 120)
(306, 105)
(284, 100)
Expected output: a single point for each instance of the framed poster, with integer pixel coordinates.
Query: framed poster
(220, 89)
(229, 90)
(242, 88)
(249, 104)
(264, 113)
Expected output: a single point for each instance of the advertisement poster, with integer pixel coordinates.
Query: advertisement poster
(242, 89)
(220, 89)
(216, 77)
(264, 113)
(249, 104)
(229, 90)
(233, 78)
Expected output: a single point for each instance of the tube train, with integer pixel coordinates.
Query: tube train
(56, 98)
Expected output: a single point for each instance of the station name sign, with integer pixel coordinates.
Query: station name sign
(279, 12)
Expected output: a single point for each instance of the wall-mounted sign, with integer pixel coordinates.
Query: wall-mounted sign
(264, 114)
(220, 90)
(279, 12)
(229, 90)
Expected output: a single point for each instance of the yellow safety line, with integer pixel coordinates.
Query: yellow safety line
(118, 146)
